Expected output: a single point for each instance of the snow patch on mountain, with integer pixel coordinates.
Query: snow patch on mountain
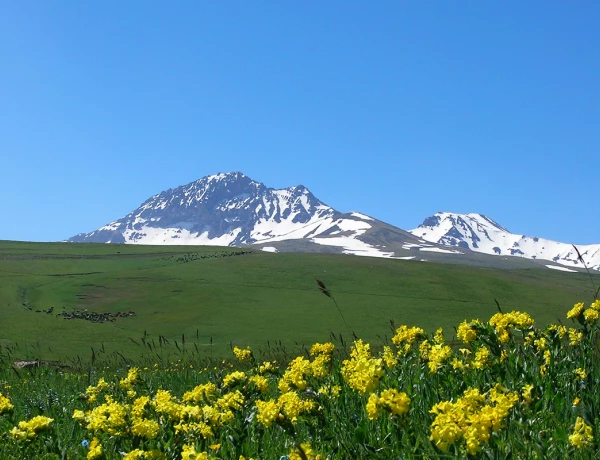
(481, 234)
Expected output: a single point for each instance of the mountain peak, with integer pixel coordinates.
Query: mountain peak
(480, 233)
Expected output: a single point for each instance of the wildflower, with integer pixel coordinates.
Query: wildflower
(318, 367)
(307, 453)
(138, 454)
(214, 446)
(438, 354)
(28, 429)
(200, 393)
(85, 443)
(591, 315)
(361, 371)
(233, 378)
(502, 322)
(575, 337)
(472, 417)
(438, 337)
(5, 404)
(322, 349)
(580, 374)
(582, 434)
(109, 417)
(576, 311)
(93, 391)
(330, 390)
(390, 401)
(576, 401)
(95, 451)
(242, 355)
(268, 412)
(261, 383)
(164, 403)
(145, 428)
(292, 406)
(388, 357)
(407, 336)
(132, 378)
(295, 375)
(527, 389)
(458, 364)
(482, 357)
(466, 332)
(596, 305)
(266, 366)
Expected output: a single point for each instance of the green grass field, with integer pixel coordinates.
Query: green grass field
(213, 295)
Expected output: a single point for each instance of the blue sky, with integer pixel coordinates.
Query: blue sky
(394, 109)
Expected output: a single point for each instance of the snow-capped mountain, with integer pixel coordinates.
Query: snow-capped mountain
(233, 210)
(481, 234)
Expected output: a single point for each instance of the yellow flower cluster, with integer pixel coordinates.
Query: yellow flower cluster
(288, 406)
(234, 377)
(132, 378)
(576, 311)
(5, 404)
(503, 322)
(390, 401)
(582, 434)
(471, 418)
(437, 355)
(95, 451)
(406, 336)
(322, 349)
(304, 452)
(467, 331)
(242, 355)
(362, 372)
(27, 430)
(92, 391)
(200, 393)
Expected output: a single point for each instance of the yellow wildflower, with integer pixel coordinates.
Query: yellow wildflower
(582, 434)
(242, 355)
(576, 311)
(322, 349)
(527, 389)
(268, 412)
(95, 451)
(591, 315)
(580, 374)
(575, 337)
(361, 371)
(28, 429)
(390, 401)
(5, 404)
(466, 332)
(308, 453)
(132, 378)
(234, 377)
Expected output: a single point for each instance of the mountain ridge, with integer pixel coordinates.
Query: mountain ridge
(479, 233)
(231, 209)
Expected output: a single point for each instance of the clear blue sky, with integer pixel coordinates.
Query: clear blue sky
(394, 109)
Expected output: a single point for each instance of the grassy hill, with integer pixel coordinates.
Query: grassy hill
(217, 296)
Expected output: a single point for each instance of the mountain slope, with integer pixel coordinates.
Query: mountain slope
(481, 234)
(233, 210)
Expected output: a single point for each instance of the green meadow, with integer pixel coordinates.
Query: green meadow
(211, 298)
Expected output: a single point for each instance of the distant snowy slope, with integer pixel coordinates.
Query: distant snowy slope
(481, 234)
(232, 210)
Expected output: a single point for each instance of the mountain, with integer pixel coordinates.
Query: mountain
(233, 210)
(481, 234)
